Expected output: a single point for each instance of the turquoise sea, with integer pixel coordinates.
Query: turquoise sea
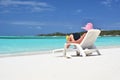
(17, 44)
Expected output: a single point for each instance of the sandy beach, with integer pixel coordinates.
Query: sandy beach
(56, 67)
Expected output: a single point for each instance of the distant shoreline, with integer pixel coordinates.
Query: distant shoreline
(58, 34)
(103, 33)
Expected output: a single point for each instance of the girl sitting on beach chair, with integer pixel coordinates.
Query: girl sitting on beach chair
(76, 38)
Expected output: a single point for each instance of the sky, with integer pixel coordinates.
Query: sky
(32, 17)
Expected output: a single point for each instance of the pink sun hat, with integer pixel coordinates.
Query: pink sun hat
(88, 26)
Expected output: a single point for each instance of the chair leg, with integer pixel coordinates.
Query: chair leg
(64, 52)
(77, 53)
(94, 47)
(83, 54)
(98, 52)
(81, 51)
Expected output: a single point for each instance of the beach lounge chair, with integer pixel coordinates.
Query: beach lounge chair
(87, 46)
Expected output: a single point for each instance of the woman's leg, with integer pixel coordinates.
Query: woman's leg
(70, 39)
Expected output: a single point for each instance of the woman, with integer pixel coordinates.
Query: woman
(76, 38)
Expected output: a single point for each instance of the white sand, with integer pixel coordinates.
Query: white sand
(56, 67)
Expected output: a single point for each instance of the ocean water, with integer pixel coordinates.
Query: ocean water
(17, 44)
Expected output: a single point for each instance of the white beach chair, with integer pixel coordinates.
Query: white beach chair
(87, 46)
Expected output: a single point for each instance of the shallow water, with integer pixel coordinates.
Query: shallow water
(13, 44)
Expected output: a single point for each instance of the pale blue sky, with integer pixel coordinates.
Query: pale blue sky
(31, 17)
